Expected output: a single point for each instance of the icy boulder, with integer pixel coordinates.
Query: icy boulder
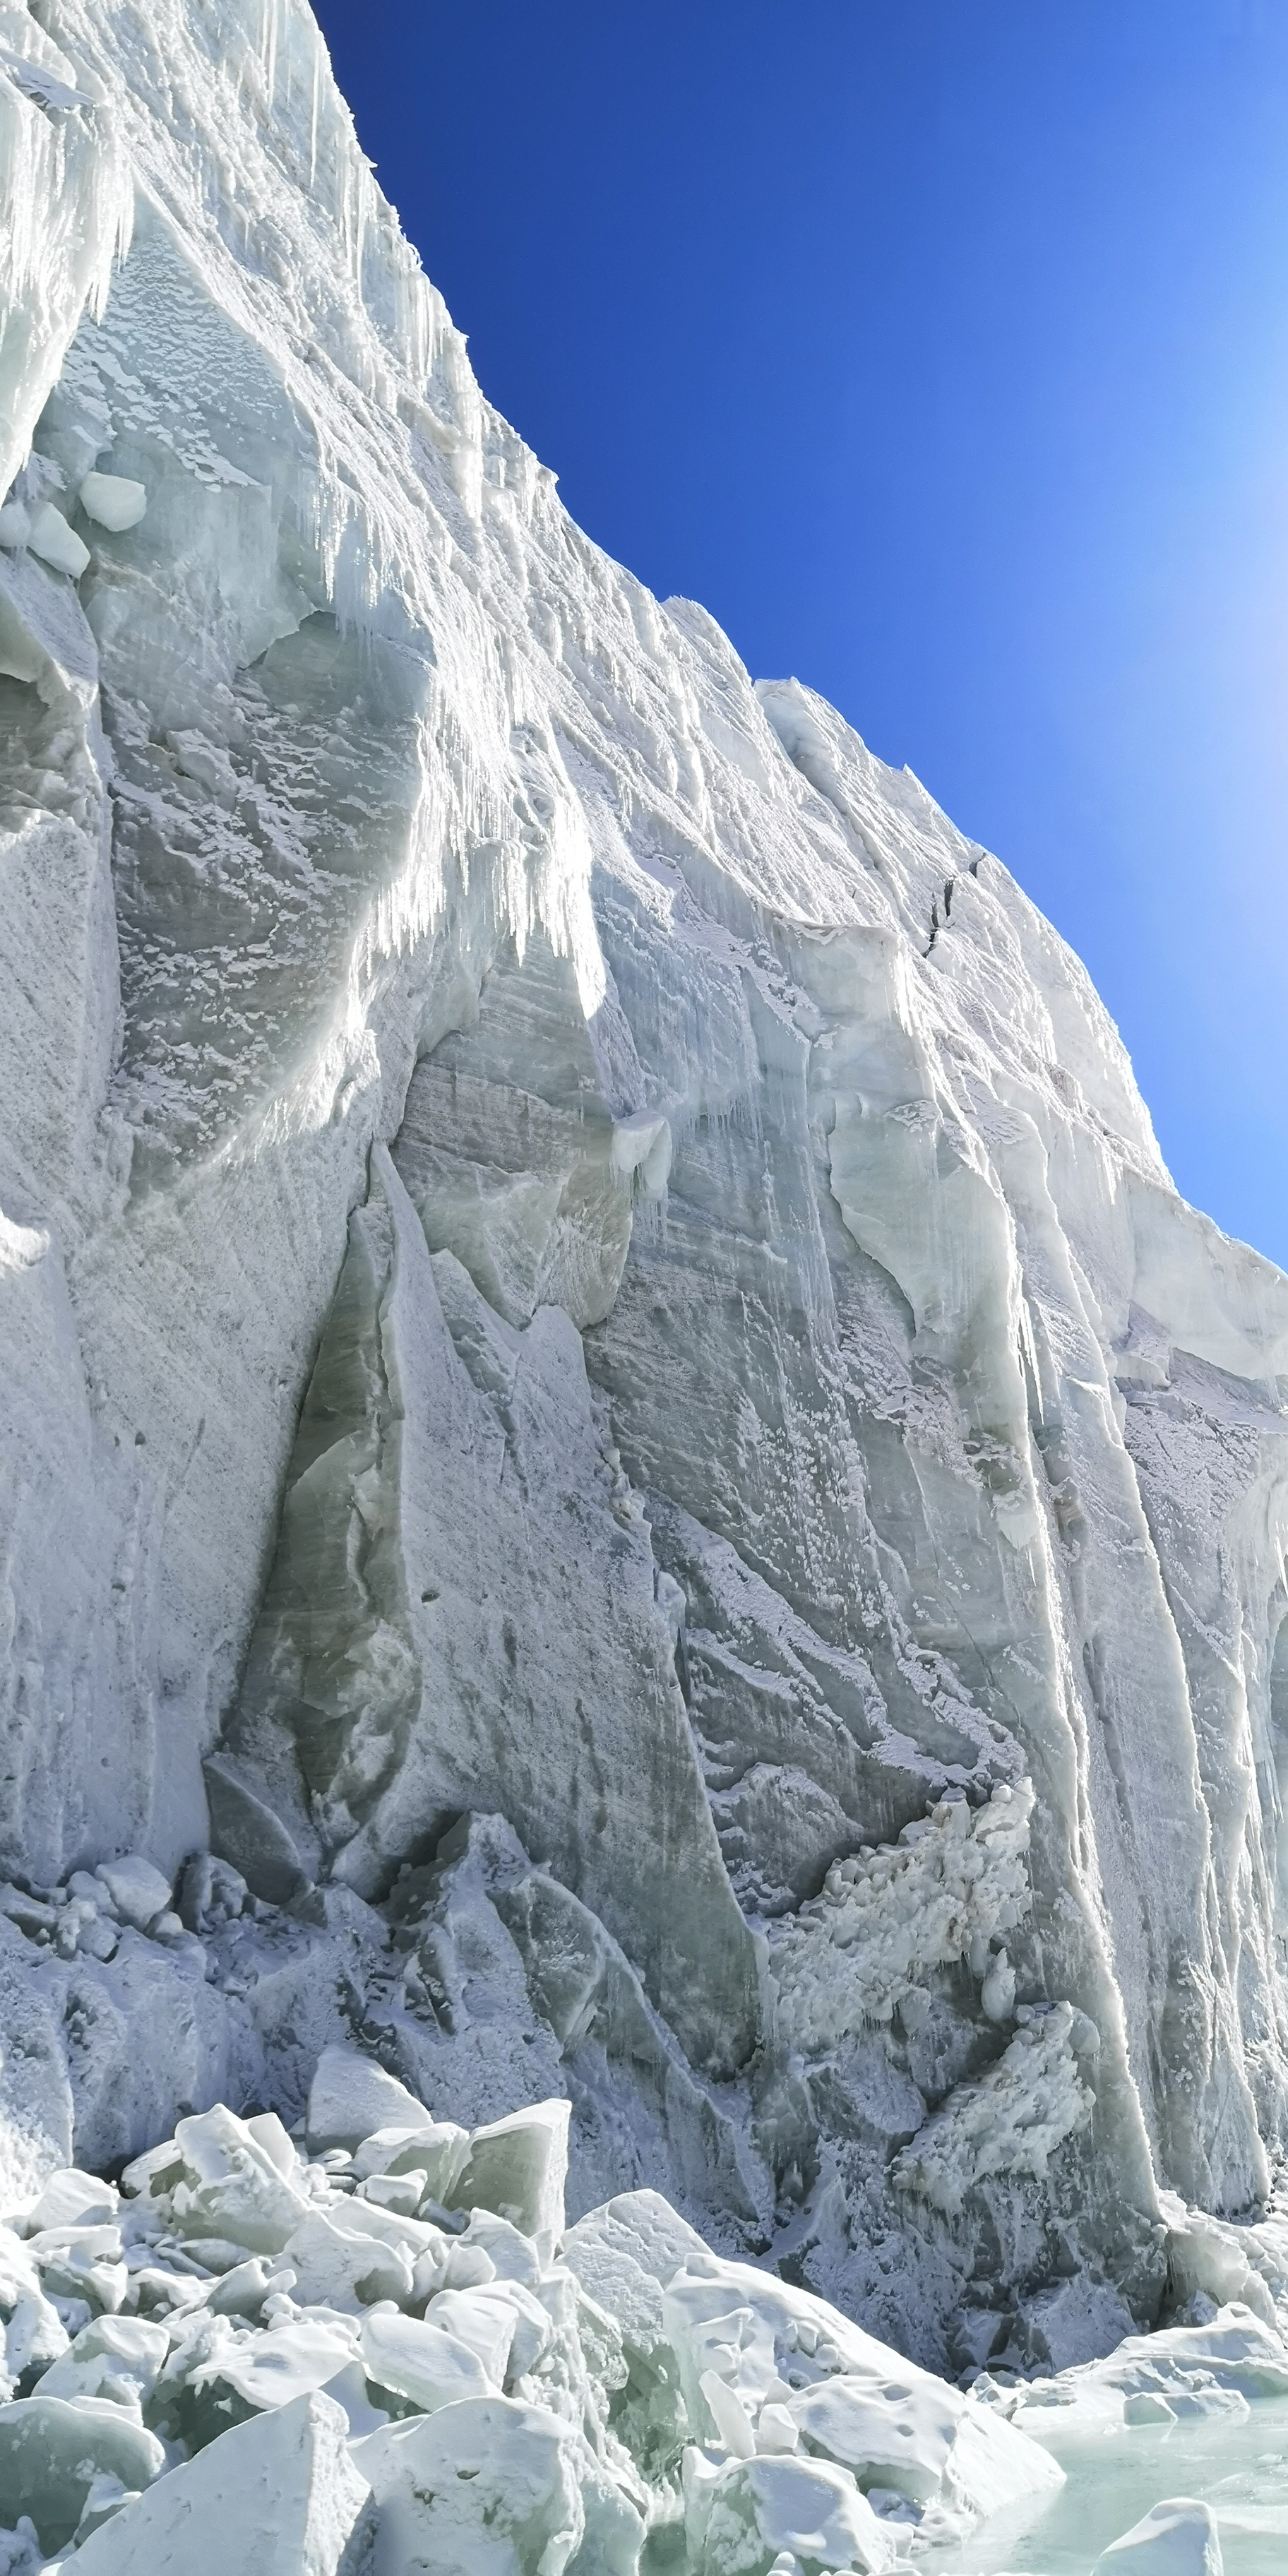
(228, 2183)
(518, 2167)
(113, 2356)
(419, 2359)
(887, 2437)
(116, 501)
(72, 2199)
(56, 543)
(350, 2099)
(1175, 2538)
(276, 2497)
(739, 2519)
(53, 2448)
(138, 1891)
(489, 2474)
(437, 2151)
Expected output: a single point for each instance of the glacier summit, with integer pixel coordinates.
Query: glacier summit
(625, 1482)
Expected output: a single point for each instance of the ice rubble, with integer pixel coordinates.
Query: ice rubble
(393, 2354)
(623, 1474)
(396, 2356)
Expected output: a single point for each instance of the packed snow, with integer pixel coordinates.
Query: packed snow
(632, 1511)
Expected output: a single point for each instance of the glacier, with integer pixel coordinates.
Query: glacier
(625, 1482)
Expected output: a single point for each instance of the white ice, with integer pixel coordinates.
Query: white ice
(625, 1483)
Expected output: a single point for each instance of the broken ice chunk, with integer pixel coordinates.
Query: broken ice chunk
(729, 2415)
(35, 2334)
(893, 2434)
(1176, 2538)
(775, 2431)
(401, 2194)
(52, 2449)
(72, 2199)
(57, 545)
(114, 500)
(268, 2132)
(232, 2186)
(211, 1893)
(421, 2361)
(350, 2099)
(509, 2254)
(274, 2369)
(488, 2483)
(518, 2167)
(137, 1890)
(338, 2267)
(739, 2521)
(106, 2496)
(242, 2292)
(113, 2357)
(484, 2320)
(436, 2147)
(276, 2497)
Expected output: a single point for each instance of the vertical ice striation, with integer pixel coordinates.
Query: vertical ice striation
(590, 1316)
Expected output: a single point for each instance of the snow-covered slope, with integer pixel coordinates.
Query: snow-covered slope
(602, 1382)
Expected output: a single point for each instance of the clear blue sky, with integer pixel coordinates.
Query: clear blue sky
(940, 347)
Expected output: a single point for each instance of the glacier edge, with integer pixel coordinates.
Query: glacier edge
(591, 1313)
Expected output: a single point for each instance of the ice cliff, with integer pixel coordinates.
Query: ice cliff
(603, 1388)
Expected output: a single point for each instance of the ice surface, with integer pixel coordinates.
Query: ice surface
(627, 1486)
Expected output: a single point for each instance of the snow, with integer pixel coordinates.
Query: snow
(644, 1550)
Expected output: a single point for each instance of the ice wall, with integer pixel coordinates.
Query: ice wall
(572, 1255)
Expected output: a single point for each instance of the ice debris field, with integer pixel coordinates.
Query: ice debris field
(377, 2346)
(643, 1552)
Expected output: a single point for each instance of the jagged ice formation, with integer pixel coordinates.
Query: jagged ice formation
(602, 1384)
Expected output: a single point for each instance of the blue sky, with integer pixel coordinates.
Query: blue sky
(940, 347)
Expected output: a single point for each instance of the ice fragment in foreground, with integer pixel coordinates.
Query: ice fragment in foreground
(52, 2449)
(1177, 2538)
(436, 2148)
(491, 2483)
(137, 1890)
(896, 2435)
(56, 543)
(114, 500)
(739, 2518)
(277, 2497)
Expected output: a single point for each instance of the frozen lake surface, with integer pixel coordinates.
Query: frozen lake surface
(1239, 2468)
